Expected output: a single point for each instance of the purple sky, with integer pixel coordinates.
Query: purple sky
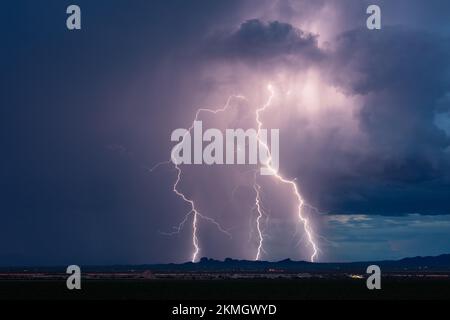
(363, 116)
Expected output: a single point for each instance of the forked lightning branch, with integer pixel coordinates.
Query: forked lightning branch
(233, 147)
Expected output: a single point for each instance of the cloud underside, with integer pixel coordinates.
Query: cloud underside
(401, 76)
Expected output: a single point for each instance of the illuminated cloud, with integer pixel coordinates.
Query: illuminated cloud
(363, 121)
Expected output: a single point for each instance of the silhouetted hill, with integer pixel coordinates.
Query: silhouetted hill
(438, 263)
(414, 264)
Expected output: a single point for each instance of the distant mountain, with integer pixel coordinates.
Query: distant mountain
(438, 263)
(435, 264)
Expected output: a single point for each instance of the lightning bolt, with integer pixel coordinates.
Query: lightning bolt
(260, 211)
(279, 177)
(196, 215)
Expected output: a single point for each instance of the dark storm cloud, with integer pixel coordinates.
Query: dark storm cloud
(397, 58)
(83, 111)
(403, 76)
(257, 39)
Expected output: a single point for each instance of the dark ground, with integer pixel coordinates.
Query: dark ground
(271, 289)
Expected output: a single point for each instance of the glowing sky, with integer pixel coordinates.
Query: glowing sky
(363, 118)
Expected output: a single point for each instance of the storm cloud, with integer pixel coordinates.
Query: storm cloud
(259, 40)
(363, 115)
(402, 76)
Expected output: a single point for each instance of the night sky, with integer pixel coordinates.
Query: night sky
(364, 119)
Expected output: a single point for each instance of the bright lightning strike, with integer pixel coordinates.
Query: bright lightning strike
(194, 212)
(291, 183)
(196, 215)
(260, 211)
